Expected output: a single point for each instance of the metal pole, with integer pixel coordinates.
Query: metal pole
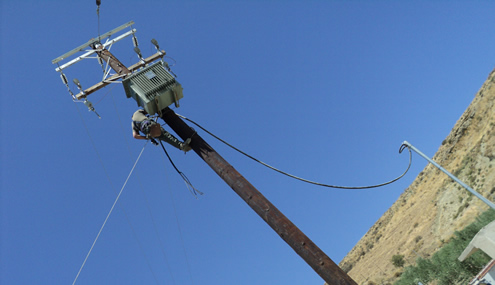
(294, 237)
(488, 202)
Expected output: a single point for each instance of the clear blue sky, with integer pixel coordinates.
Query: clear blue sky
(326, 90)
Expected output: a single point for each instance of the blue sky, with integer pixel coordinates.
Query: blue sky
(326, 90)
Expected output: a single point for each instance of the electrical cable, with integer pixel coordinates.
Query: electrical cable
(189, 185)
(179, 228)
(402, 147)
(98, 3)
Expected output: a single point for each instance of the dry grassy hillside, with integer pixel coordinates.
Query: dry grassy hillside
(433, 207)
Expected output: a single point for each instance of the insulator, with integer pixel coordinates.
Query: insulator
(64, 78)
(89, 105)
(135, 41)
(155, 43)
(138, 51)
(76, 81)
(98, 2)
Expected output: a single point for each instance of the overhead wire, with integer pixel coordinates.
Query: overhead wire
(402, 147)
(189, 185)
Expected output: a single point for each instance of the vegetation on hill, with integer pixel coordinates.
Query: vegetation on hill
(434, 206)
(444, 267)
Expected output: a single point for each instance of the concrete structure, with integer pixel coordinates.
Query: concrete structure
(484, 240)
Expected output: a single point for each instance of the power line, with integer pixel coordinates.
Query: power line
(402, 147)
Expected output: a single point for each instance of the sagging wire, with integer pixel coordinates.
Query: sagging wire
(402, 147)
(189, 185)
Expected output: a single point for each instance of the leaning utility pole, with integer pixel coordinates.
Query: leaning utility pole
(293, 236)
(154, 88)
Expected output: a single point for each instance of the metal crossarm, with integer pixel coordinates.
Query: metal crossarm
(115, 77)
(107, 43)
(92, 41)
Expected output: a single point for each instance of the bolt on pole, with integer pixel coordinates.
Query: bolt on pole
(293, 236)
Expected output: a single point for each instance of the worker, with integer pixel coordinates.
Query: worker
(141, 122)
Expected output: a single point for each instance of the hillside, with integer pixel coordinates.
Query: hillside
(433, 207)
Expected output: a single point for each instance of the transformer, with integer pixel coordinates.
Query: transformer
(153, 88)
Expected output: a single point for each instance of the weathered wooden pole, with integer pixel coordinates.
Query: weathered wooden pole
(294, 237)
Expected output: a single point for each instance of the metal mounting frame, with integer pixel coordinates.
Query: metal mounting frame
(88, 53)
(92, 41)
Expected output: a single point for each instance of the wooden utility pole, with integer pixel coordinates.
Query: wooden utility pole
(293, 236)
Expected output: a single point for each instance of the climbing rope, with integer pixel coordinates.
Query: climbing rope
(402, 147)
(140, 185)
(122, 208)
(108, 216)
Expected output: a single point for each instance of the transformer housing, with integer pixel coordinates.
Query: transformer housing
(153, 88)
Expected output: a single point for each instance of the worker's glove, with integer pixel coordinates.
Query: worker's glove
(153, 141)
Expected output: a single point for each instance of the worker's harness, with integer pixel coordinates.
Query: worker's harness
(145, 125)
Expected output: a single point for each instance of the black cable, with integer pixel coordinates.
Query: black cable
(189, 185)
(402, 147)
(98, 3)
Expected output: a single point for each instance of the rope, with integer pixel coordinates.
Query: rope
(113, 188)
(189, 185)
(402, 147)
(108, 216)
(162, 247)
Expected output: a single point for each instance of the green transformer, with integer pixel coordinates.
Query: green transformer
(153, 88)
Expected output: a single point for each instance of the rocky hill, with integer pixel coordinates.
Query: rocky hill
(433, 207)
